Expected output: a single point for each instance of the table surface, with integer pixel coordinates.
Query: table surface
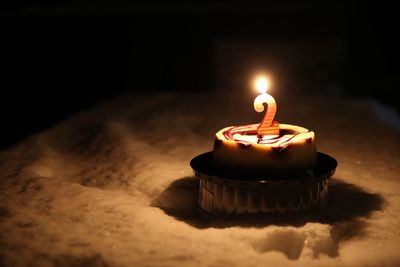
(112, 186)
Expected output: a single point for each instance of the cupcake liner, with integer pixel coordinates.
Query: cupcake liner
(255, 194)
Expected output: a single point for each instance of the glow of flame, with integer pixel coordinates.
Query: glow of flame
(262, 84)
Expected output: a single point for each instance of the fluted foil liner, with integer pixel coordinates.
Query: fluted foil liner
(232, 196)
(217, 195)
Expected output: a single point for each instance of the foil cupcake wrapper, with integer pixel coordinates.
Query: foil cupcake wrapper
(222, 195)
(226, 197)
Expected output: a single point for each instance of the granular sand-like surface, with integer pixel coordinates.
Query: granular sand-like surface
(112, 186)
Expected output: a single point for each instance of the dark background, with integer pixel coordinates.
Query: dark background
(57, 58)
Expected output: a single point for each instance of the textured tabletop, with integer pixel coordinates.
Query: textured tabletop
(112, 186)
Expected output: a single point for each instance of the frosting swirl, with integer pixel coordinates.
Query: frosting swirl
(247, 135)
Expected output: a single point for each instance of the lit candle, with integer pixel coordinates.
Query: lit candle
(267, 126)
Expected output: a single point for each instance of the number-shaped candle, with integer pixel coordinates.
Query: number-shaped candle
(268, 126)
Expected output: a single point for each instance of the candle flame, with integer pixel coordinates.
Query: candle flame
(262, 84)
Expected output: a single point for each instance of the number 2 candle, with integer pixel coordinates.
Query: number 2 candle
(268, 126)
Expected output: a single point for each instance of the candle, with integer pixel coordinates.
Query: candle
(267, 126)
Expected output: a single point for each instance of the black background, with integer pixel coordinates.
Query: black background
(58, 58)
